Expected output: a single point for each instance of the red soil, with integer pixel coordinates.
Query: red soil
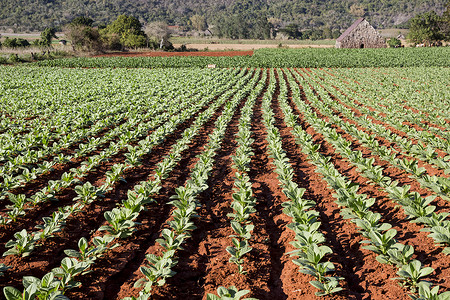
(166, 54)
(203, 264)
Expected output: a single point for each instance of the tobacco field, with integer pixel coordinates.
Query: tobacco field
(225, 183)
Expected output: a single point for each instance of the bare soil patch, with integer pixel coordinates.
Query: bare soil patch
(171, 54)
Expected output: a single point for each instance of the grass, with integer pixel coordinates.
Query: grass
(215, 40)
(392, 32)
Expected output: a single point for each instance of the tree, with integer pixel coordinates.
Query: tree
(234, 27)
(394, 43)
(128, 31)
(444, 24)
(357, 10)
(424, 28)
(260, 29)
(199, 22)
(160, 32)
(327, 33)
(134, 41)
(82, 20)
(124, 25)
(15, 43)
(291, 30)
(47, 35)
(83, 37)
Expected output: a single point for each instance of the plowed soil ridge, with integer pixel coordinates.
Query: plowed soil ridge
(409, 233)
(203, 264)
(84, 222)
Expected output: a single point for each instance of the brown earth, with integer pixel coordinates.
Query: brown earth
(203, 264)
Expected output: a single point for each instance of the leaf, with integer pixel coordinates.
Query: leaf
(426, 271)
(12, 293)
(317, 285)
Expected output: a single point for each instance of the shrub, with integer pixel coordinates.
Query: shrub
(394, 43)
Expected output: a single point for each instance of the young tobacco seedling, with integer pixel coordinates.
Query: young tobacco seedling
(47, 288)
(23, 245)
(310, 261)
(232, 293)
(87, 193)
(170, 241)
(90, 254)
(242, 211)
(379, 242)
(243, 232)
(69, 268)
(428, 293)
(237, 251)
(441, 235)
(121, 222)
(328, 286)
(157, 271)
(399, 254)
(412, 272)
(18, 201)
(305, 239)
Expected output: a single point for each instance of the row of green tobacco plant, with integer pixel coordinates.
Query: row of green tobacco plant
(121, 222)
(185, 202)
(305, 220)
(379, 237)
(243, 203)
(418, 209)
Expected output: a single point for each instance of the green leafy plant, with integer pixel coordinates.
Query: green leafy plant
(411, 273)
(237, 251)
(121, 222)
(23, 244)
(157, 271)
(231, 293)
(3, 268)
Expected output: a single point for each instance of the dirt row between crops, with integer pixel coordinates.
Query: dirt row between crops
(379, 111)
(86, 221)
(35, 213)
(408, 233)
(203, 264)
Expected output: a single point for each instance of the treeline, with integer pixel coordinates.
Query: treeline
(429, 29)
(45, 41)
(31, 15)
(124, 32)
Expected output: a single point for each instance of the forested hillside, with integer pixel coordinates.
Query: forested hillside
(32, 15)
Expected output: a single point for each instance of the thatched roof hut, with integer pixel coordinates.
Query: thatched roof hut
(360, 35)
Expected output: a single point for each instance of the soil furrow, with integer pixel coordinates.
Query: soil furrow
(121, 282)
(408, 233)
(84, 223)
(366, 277)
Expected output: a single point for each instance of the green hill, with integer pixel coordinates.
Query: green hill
(32, 15)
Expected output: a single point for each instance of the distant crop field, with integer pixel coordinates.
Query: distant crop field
(271, 183)
(273, 58)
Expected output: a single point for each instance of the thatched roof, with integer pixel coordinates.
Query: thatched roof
(350, 29)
